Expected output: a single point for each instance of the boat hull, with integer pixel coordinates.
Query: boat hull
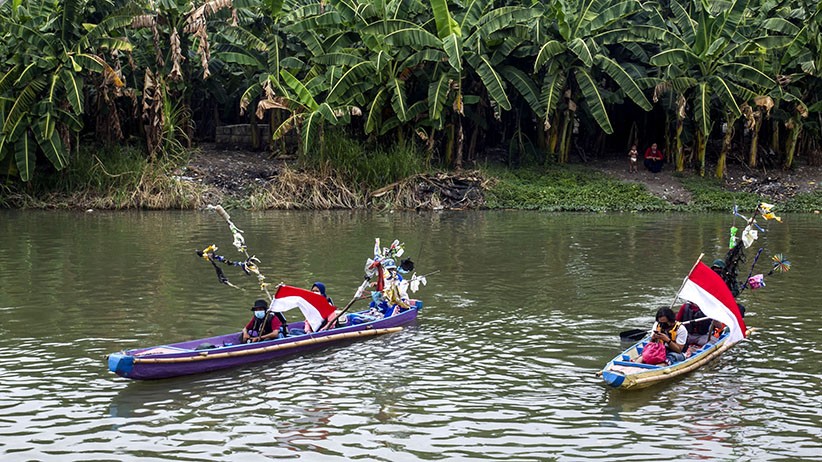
(222, 352)
(621, 372)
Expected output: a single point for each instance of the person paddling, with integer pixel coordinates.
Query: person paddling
(262, 326)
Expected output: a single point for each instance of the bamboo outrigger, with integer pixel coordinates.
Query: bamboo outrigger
(622, 372)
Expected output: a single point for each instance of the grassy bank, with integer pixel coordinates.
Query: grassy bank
(117, 178)
(581, 189)
(567, 188)
(345, 175)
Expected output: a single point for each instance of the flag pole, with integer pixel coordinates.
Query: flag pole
(699, 259)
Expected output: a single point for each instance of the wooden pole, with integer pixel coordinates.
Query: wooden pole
(204, 355)
(686, 279)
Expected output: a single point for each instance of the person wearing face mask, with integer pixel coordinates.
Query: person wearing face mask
(334, 320)
(670, 333)
(262, 326)
(319, 288)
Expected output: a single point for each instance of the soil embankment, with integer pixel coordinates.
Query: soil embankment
(232, 174)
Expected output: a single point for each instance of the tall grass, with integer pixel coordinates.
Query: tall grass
(362, 167)
(114, 178)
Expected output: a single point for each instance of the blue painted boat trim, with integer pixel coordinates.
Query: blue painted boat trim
(632, 364)
(613, 379)
(120, 364)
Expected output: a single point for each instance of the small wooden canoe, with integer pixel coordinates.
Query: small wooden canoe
(223, 351)
(621, 372)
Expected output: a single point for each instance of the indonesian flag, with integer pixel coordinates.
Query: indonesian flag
(315, 307)
(707, 289)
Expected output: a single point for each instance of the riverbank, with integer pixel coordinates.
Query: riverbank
(259, 181)
(599, 186)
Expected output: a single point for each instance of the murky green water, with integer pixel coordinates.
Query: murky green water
(500, 366)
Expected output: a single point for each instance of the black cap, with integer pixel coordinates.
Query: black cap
(260, 305)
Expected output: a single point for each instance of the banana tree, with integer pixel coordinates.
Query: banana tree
(478, 41)
(574, 59)
(49, 50)
(175, 28)
(797, 67)
(707, 58)
(316, 83)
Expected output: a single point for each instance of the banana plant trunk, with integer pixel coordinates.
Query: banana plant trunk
(727, 138)
(667, 136)
(449, 145)
(553, 137)
(701, 145)
(472, 145)
(775, 145)
(678, 154)
(752, 155)
(460, 143)
(563, 139)
(794, 126)
(255, 132)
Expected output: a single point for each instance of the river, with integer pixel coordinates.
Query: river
(500, 365)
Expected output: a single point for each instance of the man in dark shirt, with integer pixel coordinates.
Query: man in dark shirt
(262, 326)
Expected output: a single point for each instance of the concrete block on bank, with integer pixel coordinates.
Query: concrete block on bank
(239, 136)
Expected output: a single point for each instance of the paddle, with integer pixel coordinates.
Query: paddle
(357, 296)
(635, 335)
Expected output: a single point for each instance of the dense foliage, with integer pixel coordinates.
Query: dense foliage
(540, 80)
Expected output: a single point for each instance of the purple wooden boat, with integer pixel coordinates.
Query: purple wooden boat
(223, 351)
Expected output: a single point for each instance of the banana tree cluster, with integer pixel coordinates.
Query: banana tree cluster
(538, 76)
(47, 53)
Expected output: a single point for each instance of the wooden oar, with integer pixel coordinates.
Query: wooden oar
(357, 296)
(635, 335)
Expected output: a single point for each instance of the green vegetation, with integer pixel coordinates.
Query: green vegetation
(366, 167)
(121, 178)
(414, 85)
(804, 203)
(575, 188)
(568, 188)
(708, 195)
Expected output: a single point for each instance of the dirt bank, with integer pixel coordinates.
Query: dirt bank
(232, 174)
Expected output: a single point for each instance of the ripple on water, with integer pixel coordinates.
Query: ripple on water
(499, 367)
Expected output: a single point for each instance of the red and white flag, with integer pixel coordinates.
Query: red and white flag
(315, 307)
(707, 289)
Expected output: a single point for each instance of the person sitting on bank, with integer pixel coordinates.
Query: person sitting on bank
(671, 334)
(262, 326)
(653, 159)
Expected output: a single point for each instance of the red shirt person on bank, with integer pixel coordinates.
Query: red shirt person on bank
(653, 159)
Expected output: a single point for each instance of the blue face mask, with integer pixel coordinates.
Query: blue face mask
(259, 314)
